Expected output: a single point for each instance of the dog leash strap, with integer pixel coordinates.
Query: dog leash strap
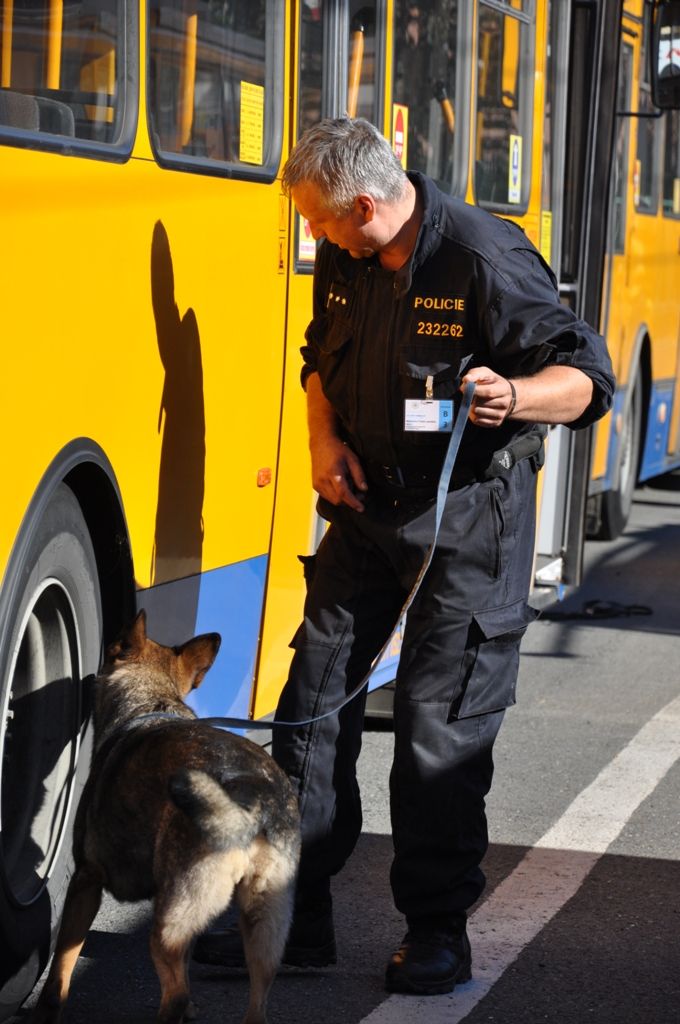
(442, 492)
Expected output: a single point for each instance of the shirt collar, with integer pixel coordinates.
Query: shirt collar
(429, 233)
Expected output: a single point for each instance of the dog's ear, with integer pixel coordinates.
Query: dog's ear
(197, 656)
(131, 640)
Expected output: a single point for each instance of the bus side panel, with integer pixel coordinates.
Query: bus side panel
(160, 338)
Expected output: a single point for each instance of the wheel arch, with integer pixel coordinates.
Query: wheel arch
(85, 468)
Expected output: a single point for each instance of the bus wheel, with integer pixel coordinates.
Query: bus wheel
(616, 503)
(51, 622)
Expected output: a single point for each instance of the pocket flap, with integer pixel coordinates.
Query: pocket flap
(439, 361)
(338, 334)
(510, 619)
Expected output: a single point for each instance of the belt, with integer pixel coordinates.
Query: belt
(393, 480)
(400, 482)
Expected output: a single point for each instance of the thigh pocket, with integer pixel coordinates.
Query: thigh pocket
(488, 672)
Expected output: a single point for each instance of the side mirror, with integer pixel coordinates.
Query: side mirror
(665, 54)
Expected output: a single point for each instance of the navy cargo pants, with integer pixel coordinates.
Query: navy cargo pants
(457, 673)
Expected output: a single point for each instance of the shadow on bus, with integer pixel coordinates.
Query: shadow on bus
(178, 537)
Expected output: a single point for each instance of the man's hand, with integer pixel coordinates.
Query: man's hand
(337, 474)
(493, 398)
(555, 394)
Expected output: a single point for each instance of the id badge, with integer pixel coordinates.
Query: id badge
(428, 415)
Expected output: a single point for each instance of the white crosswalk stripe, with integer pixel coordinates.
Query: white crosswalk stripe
(550, 873)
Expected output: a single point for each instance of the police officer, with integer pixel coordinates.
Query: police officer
(416, 294)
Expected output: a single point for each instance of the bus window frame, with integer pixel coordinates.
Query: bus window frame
(335, 58)
(645, 98)
(660, 8)
(464, 62)
(669, 214)
(127, 80)
(525, 16)
(558, 41)
(616, 244)
(274, 99)
(463, 142)
(340, 103)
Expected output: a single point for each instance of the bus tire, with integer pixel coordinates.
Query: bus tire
(51, 617)
(617, 502)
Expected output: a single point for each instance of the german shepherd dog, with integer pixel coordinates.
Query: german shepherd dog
(177, 811)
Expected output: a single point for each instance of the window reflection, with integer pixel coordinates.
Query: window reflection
(503, 109)
(362, 68)
(671, 165)
(425, 42)
(61, 68)
(212, 79)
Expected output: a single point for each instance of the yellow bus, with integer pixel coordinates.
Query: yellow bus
(640, 316)
(155, 290)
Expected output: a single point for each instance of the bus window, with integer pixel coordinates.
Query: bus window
(646, 161)
(427, 88)
(311, 98)
(216, 84)
(504, 106)
(620, 160)
(671, 165)
(62, 68)
(362, 71)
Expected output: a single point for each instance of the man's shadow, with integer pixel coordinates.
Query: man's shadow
(178, 539)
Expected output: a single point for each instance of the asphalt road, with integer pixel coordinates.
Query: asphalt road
(580, 921)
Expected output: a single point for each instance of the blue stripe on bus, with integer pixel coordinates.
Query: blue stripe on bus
(230, 603)
(614, 438)
(227, 601)
(386, 669)
(655, 458)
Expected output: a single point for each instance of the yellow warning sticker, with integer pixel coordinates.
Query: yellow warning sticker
(515, 169)
(251, 144)
(546, 235)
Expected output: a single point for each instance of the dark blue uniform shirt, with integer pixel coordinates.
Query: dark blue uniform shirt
(474, 293)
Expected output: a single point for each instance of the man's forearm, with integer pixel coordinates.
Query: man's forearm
(556, 394)
(322, 420)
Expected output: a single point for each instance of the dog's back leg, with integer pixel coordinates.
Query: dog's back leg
(80, 909)
(195, 895)
(171, 966)
(265, 898)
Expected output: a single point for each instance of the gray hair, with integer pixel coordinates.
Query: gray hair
(345, 157)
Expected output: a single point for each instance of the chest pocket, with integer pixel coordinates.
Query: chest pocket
(441, 361)
(335, 367)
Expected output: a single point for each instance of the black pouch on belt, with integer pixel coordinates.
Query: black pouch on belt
(526, 446)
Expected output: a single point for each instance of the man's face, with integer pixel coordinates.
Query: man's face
(351, 232)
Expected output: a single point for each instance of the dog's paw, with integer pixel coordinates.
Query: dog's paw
(191, 1012)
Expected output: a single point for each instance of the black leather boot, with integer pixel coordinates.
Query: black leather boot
(430, 961)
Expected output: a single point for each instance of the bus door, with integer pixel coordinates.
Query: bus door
(582, 95)
(339, 67)
(620, 308)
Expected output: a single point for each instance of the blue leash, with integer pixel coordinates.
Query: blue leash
(442, 492)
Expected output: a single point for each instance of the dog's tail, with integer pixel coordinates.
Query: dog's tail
(223, 821)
